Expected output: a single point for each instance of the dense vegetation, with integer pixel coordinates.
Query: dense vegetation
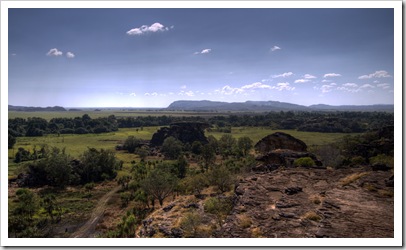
(336, 122)
(152, 174)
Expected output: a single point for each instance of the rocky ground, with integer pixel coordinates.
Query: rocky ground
(298, 202)
(291, 203)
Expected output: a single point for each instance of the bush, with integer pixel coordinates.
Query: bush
(382, 159)
(220, 207)
(304, 162)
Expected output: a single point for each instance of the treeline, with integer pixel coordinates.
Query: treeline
(332, 122)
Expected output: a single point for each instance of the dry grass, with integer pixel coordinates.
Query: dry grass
(316, 199)
(385, 193)
(244, 221)
(312, 216)
(256, 232)
(351, 178)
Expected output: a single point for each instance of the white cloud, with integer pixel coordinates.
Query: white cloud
(275, 48)
(151, 94)
(377, 74)
(308, 76)
(349, 87)
(205, 51)
(70, 54)
(228, 90)
(302, 80)
(350, 84)
(186, 93)
(183, 87)
(327, 87)
(54, 52)
(284, 86)
(326, 80)
(367, 86)
(287, 74)
(331, 75)
(133, 94)
(383, 85)
(148, 29)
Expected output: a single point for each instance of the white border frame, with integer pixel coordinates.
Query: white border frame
(396, 241)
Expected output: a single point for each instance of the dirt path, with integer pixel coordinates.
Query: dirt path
(88, 229)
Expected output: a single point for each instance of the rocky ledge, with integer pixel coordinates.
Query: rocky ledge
(308, 203)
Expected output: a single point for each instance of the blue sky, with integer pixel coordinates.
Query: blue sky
(152, 57)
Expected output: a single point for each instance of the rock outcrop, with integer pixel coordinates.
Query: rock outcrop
(280, 140)
(312, 203)
(284, 157)
(186, 132)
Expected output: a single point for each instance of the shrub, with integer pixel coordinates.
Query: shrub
(382, 159)
(190, 223)
(304, 162)
(219, 207)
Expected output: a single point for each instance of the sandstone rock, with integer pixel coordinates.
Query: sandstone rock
(186, 132)
(280, 140)
(169, 207)
(293, 190)
(286, 157)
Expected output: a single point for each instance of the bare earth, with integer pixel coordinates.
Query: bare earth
(89, 228)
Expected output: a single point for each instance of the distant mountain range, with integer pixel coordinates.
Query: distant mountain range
(247, 106)
(33, 109)
(270, 106)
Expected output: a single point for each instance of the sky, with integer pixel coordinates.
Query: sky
(152, 57)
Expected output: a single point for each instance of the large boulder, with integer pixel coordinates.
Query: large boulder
(186, 132)
(280, 140)
(284, 157)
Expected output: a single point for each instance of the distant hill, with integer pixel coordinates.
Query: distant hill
(235, 106)
(376, 107)
(33, 109)
(270, 106)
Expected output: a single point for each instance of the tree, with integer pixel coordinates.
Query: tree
(221, 177)
(227, 145)
(172, 147)
(131, 144)
(49, 203)
(244, 145)
(11, 141)
(97, 165)
(159, 184)
(58, 168)
(208, 155)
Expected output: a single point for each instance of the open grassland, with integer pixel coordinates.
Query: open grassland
(75, 145)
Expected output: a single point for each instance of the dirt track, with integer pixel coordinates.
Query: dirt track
(88, 229)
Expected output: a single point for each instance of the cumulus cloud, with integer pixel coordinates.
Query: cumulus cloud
(205, 51)
(308, 76)
(155, 27)
(383, 85)
(327, 88)
(349, 87)
(70, 54)
(228, 90)
(377, 74)
(367, 86)
(151, 94)
(133, 94)
(302, 80)
(331, 75)
(274, 48)
(186, 93)
(326, 80)
(284, 86)
(287, 74)
(183, 87)
(54, 52)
